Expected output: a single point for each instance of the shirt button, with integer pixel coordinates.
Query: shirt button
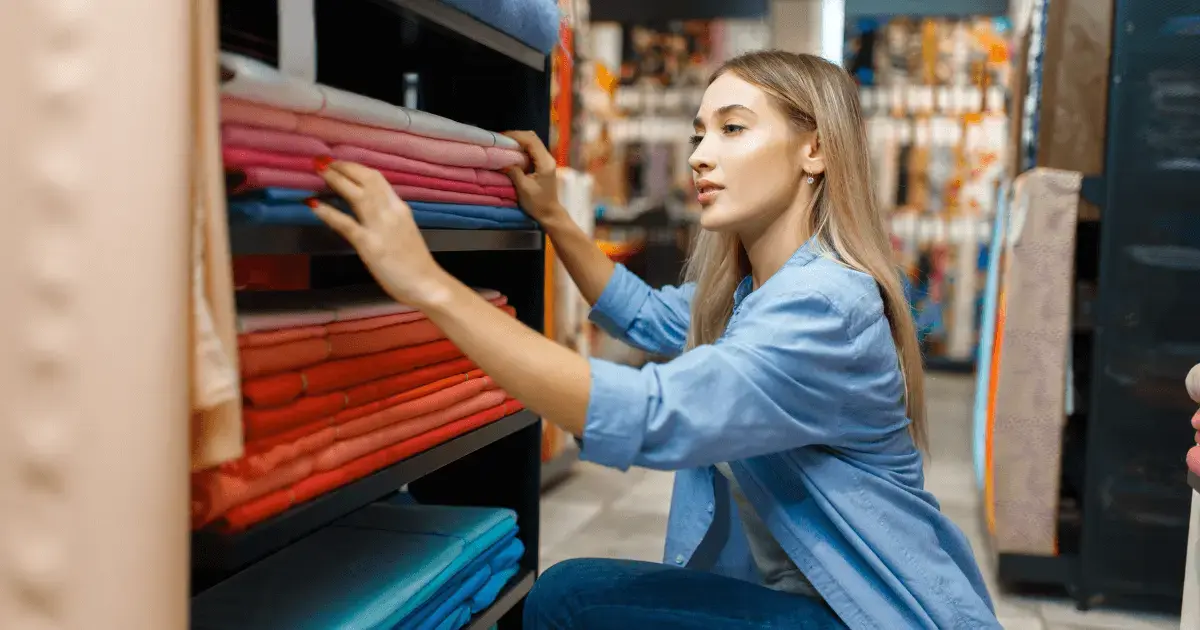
(710, 508)
(679, 559)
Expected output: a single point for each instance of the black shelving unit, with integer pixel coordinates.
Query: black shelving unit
(1126, 545)
(467, 71)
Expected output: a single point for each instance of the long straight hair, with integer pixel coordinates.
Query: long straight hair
(844, 216)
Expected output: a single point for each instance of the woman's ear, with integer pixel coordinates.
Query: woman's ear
(812, 157)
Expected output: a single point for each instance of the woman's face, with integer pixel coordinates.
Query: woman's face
(748, 158)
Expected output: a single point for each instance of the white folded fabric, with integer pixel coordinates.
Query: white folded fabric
(356, 108)
(257, 82)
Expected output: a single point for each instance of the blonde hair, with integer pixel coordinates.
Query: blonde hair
(844, 216)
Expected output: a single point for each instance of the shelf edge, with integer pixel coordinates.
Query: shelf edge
(476, 30)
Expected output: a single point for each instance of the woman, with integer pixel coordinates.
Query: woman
(794, 408)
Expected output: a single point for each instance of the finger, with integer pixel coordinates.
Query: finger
(363, 175)
(339, 221)
(515, 174)
(543, 162)
(343, 185)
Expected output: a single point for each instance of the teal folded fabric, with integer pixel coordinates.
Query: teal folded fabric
(486, 595)
(498, 556)
(461, 596)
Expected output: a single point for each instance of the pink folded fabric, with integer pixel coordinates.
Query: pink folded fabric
(375, 159)
(498, 159)
(237, 111)
(256, 177)
(491, 178)
(1193, 460)
(503, 192)
(433, 183)
(237, 158)
(272, 140)
(398, 143)
(413, 193)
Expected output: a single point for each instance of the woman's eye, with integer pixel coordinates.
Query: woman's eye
(732, 129)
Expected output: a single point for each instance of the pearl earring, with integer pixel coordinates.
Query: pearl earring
(811, 179)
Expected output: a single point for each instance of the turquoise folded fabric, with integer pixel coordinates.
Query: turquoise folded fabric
(460, 597)
(369, 571)
(487, 594)
(497, 558)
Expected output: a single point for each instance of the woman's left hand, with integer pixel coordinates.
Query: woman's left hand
(385, 234)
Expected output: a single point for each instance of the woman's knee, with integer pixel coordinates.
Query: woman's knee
(563, 589)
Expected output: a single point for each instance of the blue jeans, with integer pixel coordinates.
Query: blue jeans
(595, 594)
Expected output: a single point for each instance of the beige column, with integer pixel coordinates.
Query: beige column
(1190, 617)
(796, 26)
(93, 342)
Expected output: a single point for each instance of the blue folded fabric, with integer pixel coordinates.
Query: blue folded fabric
(456, 620)
(497, 555)
(534, 22)
(459, 598)
(487, 594)
(281, 211)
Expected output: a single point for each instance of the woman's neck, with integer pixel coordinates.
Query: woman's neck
(770, 247)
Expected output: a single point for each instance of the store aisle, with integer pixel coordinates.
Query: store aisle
(599, 512)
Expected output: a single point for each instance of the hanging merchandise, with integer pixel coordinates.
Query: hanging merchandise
(933, 91)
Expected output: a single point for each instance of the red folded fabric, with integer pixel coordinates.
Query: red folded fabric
(376, 159)
(236, 158)
(262, 423)
(1196, 422)
(503, 192)
(398, 143)
(216, 490)
(353, 344)
(256, 177)
(433, 183)
(278, 389)
(415, 193)
(270, 142)
(284, 335)
(375, 406)
(491, 178)
(248, 514)
(284, 357)
(381, 321)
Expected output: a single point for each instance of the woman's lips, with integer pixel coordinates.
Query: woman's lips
(707, 194)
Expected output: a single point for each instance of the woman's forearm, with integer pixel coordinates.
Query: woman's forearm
(551, 380)
(588, 265)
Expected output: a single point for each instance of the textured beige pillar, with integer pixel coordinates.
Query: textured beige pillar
(1190, 617)
(93, 284)
(796, 26)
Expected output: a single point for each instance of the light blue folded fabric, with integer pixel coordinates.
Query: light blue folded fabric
(510, 553)
(534, 22)
(461, 596)
(458, 619)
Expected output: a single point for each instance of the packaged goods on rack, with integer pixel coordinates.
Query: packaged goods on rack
(333, 391)
(393, 564)
(934, 91)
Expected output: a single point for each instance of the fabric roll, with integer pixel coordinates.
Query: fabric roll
(378, 160)
(254, 81)
(274, 141)
(248, 514)
(356, 108)
(240, 112)
(397, 143)
(215, 418)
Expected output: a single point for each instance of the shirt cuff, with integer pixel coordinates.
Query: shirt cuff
(616, 415)
(620, 302)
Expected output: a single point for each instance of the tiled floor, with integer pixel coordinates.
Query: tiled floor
(600, 512)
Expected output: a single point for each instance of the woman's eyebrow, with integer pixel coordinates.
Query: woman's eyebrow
(698, 123)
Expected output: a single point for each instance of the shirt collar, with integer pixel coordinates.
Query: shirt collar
(804, 255)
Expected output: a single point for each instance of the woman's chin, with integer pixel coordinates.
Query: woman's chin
(714, 219)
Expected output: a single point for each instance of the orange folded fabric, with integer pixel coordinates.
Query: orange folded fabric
(217, 490)
(353, 413)
(322, 433)
(262, 423)
(360, 395)
(373, 323)
(276, 337)
(248, 514)
(356, 344)
(284, 357)
(278, 389)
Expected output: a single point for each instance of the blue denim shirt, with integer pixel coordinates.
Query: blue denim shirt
(804, 397)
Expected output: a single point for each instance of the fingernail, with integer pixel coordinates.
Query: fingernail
(312, 202)
(322, 162)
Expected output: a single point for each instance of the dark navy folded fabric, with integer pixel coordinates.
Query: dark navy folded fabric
(534, 22)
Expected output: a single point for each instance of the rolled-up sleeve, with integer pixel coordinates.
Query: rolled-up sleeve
(652, 320)
(778, 380)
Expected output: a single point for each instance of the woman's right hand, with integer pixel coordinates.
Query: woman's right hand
(537, 191)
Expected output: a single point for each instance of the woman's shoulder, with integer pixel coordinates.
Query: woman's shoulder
(824, 284)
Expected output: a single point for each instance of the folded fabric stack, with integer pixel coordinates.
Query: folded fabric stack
(1193, 388)
(387, 566)
(335, 392)
(274, 126)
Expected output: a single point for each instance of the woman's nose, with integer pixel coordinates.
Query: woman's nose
(701, 159)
